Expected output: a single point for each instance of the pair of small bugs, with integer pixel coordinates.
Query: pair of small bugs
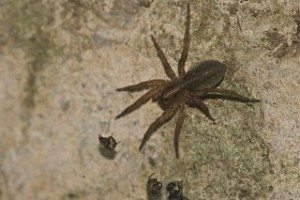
(174, 189)
(187, 89)
(154, 187)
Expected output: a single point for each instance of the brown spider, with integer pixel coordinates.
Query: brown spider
(189, 88)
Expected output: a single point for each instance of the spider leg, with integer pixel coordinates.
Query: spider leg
(143, 85)
(168, 70)
(198, 103)
(186, 43)
(164, 118)
(178, 127)
(227, 93)
(138, 103)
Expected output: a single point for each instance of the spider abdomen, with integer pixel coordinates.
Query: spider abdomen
(205, 74)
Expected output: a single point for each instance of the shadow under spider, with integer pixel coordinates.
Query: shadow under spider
(187, 89)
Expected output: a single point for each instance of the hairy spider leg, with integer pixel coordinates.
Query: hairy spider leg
(168, 70)
(225, 92)
(186, 43)
(164, 118)
(143, 85)
(178, 128)
(138, 103)
(199, 104)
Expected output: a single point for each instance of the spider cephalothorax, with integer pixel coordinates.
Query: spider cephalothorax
(188, 88)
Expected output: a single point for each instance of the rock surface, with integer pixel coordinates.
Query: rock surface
(61, 61)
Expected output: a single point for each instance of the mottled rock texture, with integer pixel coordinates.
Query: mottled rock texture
(61, 61)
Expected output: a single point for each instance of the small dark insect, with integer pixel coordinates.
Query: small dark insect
(188, 88)
(108, 143)
(145, 3)
(153, 187)
(175, 192)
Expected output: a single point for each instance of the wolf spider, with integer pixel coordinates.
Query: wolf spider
(188, 88)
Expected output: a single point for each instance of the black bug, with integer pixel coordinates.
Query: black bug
(175, 192)
(154, 187)
(108, 143)
(187, 89)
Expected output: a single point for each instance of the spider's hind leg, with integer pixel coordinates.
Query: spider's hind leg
(227, 93)
(168, 70)
(186, 43)
(198, 103)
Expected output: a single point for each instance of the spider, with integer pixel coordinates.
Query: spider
(187, 89)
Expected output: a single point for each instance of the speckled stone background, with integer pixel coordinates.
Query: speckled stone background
(61, 61)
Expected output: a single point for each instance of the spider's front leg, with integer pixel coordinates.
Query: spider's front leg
(180, 103)
(138, 103)
(143, 85)
(164, 118)
(178, 128)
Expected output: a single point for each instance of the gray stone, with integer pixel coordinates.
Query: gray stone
(61, 62)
